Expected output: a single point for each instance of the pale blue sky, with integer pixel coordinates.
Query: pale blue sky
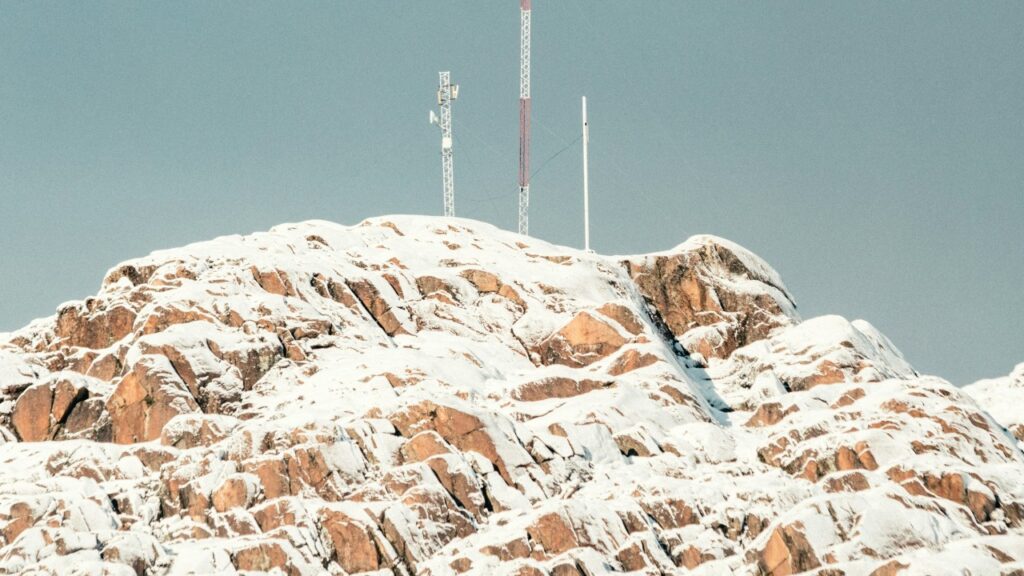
(870, 151)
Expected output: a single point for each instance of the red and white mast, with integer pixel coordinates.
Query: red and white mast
(524, 117)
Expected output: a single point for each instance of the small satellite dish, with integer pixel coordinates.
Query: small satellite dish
(433, 117)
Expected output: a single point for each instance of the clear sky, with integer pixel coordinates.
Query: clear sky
(870, 151)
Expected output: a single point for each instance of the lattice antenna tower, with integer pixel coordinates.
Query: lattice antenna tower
(446, 93)
(524, 117)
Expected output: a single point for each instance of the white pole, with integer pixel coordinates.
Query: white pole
(586, 180)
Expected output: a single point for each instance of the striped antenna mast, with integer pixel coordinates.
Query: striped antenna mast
(524, 117)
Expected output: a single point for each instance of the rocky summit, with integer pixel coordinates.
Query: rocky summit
(426, 396)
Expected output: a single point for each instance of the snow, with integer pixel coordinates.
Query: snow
(562, 455)
(1002, 397)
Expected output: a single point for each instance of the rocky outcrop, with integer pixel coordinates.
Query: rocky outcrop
(583, 341)
(713, 295)
(146, 399)
(93, 325)
(54, 409)
(787, 552)
(428, 396)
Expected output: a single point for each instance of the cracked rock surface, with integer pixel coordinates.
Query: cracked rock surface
(430, 396)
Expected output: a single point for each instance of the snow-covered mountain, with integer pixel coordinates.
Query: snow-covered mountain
(419, 395)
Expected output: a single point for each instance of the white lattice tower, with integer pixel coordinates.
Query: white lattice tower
(446, 93)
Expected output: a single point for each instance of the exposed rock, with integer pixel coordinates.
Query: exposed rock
(32, 413)
(92, 325)
(264, 557)
(423, 446)
(377, 307)
(769, 414)
(464, 431)
(631, 360)
(349, 400)
(191, 430)
(624, 316)
(354, 546)
(146, 399)
(554, 533)
(556, 387)
(487, 283)
(43, 411)
(787, 552)
(234, 492)
(274, 281)
(582, 341)
(730, 296)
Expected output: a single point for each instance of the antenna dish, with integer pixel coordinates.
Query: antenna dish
(433, 117)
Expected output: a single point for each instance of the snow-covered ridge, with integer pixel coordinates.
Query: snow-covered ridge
(415, 395)
(1003, 398)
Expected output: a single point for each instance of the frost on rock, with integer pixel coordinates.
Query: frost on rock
(418, 395)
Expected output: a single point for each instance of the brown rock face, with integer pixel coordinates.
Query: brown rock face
(80, 325)
(460, 484)
(769, 414)
(377, 307)
(253, 361)
(274, 281)
(827, 373)
(557, 387)
(624, 316)
(631, 360)
(20, 518)
(484, 282)
(463, 431)
(787, 552)
(951, 486)
(487, 283)
(354, 547)
(425, 506)
(32, 413)
(554, 533)
(232, 493)
(263, 557)
(146, 399)
(423, 446)
(433, 287)
(670, 513)
(583, 341)
(696, 288)
(42, 411)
